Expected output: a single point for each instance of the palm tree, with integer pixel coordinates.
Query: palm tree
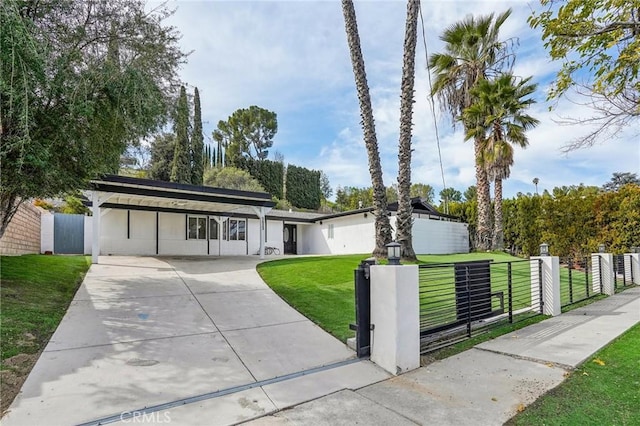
(404, 218)
(500, 120)
(383, 228)
(472, 53)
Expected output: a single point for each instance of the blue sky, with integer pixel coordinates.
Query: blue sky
(291, 57)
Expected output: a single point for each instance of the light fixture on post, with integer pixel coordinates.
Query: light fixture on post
(544, 249)
(393, 253)
(601, 248)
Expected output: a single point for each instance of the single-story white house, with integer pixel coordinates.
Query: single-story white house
(135, 216)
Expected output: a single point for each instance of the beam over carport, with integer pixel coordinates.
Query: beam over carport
(262, 212)
(97, 199)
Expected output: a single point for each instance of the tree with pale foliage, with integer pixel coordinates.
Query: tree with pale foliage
(423, 191)
(231, 178)
(598, 43)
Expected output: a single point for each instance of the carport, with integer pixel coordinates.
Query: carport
(217, 208)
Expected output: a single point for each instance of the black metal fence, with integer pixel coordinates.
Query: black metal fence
(623, 276)
(460, 300)
(576, 281)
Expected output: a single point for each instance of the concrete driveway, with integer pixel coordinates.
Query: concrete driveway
(181, 340)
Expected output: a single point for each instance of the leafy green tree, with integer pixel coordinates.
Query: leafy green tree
(617, 218)
(392, 193)
(352, 198)
(198, 158)
(527, 225)
(231, 178)
(423, 191)
(162, 149)
(618, 180)
(449, 195)
(598, 43)
(568, 220)
(382, 225)
(80, 82)
(181, 166)
(472, 52)
(325, 186)
(470, 193)
(247, 133)
(498, 112)
(303, 187)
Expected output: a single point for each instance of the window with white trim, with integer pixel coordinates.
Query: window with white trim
(197, 228)
(330, 232)
(235, 230)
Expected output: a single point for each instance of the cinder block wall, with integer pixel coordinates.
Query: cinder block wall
(23, 233)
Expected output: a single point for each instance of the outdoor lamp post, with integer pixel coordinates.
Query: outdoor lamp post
(601, 248)
(393, 253)
(544, 249)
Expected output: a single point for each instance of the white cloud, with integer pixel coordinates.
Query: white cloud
(292, 57)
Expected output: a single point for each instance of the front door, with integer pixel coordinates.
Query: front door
(290, 237)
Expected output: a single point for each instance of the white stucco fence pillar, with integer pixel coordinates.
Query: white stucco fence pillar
(632, 267)
(395, 317)
(551, 304)
(602, 273)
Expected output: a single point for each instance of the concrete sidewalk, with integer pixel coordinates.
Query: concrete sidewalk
(485, 385)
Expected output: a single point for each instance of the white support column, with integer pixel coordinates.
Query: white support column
(632, 267)
(395, 317)
(551, 304)
(602, 273)
(96, 202)
(262, 212)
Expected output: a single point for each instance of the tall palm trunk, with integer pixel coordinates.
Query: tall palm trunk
(484, 198)
(498, 232)
(404, 218)
(383, 228)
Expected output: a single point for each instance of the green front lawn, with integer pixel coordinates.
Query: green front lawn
(604, 391)
(36, 291)
(322, 288)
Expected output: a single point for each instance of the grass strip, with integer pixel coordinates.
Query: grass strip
(35, 294)
(605, 390)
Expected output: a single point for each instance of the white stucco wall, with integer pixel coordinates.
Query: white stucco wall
(88, 234)
(273, 233)
(113, 233)
(439, 237)
(351, 234)
(46, 232)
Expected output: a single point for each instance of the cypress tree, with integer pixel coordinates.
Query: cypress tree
(181, 168)
(197, 142)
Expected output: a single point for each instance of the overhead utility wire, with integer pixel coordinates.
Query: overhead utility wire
(433, 110)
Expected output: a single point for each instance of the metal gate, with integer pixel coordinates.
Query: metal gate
(576, 281)
(458, 301)
(362, 327)
(623, 276)
(68, 233)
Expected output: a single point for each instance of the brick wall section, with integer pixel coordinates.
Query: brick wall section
(23, 233)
